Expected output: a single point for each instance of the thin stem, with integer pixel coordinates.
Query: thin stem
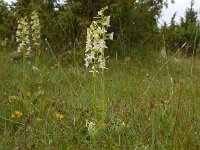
(74, 54)
(37, 61)
(24, 69)
(145, 93)
(103, 94)
(95, 87)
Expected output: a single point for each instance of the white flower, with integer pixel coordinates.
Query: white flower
(90, 127)
(22, 36)
(101, 12)
(96, 42)
(102, 44)
(111, 36)
(107, 22)
(87, 62)
(35, 27)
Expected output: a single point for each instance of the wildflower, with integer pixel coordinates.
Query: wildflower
(39, 88)
(96, 42)
(17, 114)
(59, 115)
(23, 34)
(35, 27)
(111, 36)
(91, 127)
(22, 37)
(28, 94)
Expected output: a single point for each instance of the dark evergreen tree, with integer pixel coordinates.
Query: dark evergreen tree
(190, 29)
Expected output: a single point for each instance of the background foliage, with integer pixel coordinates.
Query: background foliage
(134, 22)
(150, 103)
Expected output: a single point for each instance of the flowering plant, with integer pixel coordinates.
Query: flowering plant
(27, 44)
(95, 58)
(96, 42)
(35, 34)
(35, 27)
(22, 37)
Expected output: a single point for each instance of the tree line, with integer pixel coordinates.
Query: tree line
(134, 23)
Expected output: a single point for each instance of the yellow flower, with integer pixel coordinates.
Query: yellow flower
(59, 116)
(39, 88)
(11, 101)
(16, 114)
(28, 94)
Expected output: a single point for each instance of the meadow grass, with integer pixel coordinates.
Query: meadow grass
(57, 104)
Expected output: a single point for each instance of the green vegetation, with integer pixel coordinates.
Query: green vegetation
(59, 90)
(58, 104)
(188, 30)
